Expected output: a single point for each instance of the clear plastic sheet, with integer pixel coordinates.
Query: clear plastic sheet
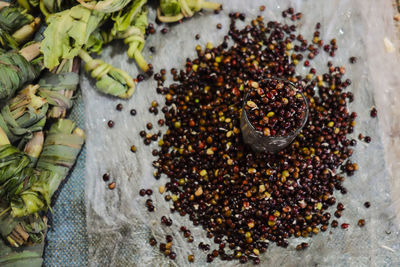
(118, 223)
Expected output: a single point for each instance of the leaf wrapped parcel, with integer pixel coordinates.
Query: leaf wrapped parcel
(15, 70)
(23, 115)
(18, 25)
(29, 256)
(59, 87)
(13, 171)
(60, 150)
(131, 26)
(24, 231)
(16, 173)
(27, 230)
(13, 18)
(106, 6)
(67, 33)
(110, 80)
(175, 10)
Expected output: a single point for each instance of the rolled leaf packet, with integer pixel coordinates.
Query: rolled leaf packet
(68, 32)
(59, 87)
(23, 231)
(110, 80)
(106, 6)
(19, 24)
(62, 145)
(15, 174)
(16, 70)
(23, 115)
(130, 24)
(175, 10)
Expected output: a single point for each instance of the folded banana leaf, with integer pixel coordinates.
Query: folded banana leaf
(34, 197)
(19, 180)
(17, 176)
(58, 89)
(175, 10)
(25, 231)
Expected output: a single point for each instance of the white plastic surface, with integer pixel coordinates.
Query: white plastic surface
(118, 222)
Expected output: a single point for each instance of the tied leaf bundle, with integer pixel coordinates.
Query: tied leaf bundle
(16, 26)
(110, 80)
(16, 169)
(13, 171)
(67, 33)
(24, 115)
(33, 198)
(13, 18)
(59, 87)
(130, 25)
(106, 6)
(16, 176)
(27, 231)
(60, 150)
(22, 231)
(29, 256)
(175, 10)
(29, 190)
(26, 191)
(16, 70)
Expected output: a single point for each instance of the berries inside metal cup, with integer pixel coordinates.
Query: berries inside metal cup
(274, 112)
